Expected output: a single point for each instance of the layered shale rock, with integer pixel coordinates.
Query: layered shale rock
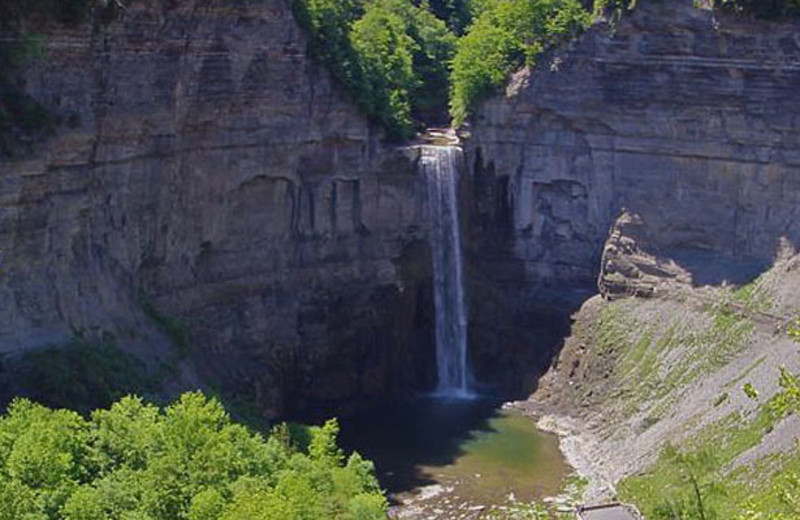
(685, 118)
(629, 266)
(206, 168)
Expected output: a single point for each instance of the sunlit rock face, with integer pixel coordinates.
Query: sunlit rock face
(204, 163)
(686, 121)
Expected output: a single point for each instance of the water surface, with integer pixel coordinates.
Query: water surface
(480, 451)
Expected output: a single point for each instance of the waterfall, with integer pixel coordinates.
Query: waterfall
(440, 167)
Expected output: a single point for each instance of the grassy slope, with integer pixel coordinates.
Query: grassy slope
(661, 381)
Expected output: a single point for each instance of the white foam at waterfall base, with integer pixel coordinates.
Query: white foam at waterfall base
(440, 167)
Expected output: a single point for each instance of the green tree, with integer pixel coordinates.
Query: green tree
(391, 55)
(406, 51)
(135, 461)
(688, 500)
(506, 35)
(387, 53)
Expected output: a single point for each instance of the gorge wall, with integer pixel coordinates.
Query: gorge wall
(680, 122)
(205, 167)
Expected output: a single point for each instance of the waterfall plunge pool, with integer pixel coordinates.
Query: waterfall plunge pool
(439, 458)
(453, 458)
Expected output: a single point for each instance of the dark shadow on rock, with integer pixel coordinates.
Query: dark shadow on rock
(353, 347)
(709, 268)
(517, 324)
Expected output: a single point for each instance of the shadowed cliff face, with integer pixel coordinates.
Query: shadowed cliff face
(203, 161)
(686, 119)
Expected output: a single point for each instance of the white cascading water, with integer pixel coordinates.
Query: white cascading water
(440, 167)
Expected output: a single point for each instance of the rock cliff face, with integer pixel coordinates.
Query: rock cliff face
(205, 165)
(682, 120)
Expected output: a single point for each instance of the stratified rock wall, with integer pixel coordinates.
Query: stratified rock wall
(204, 163)
(687, 119)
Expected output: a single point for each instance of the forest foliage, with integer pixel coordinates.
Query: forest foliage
(391, 55)
(136, 461)
(506, 34)
(407, 62)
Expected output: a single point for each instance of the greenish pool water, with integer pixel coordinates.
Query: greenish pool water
(477, 451)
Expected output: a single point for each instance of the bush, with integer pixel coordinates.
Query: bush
(506, 35)
(136, 461)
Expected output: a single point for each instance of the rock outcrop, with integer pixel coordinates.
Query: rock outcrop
(205, 165)
(628, 269)
(683, 117)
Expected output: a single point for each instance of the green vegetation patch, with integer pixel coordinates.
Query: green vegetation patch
(81, 374)
(697, 482)
(403, 61)
(391, 55)
(187, 461)
(505, 35)
(794, 330)
(653, 359)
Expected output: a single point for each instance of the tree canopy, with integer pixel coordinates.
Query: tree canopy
(505, 35)
(405, 61)
(136, 461)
